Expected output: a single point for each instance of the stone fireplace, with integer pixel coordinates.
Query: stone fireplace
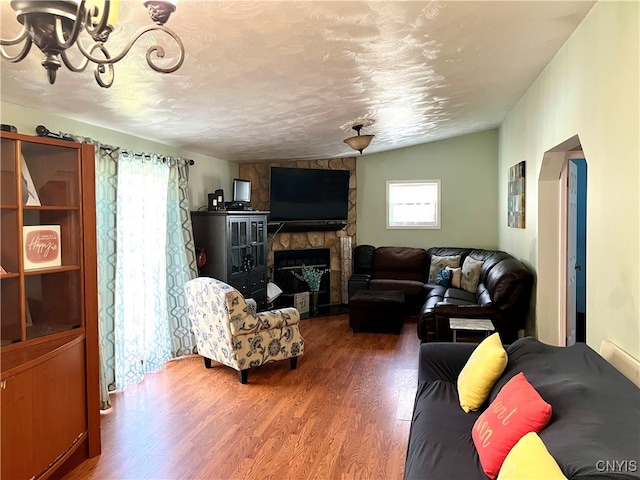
(258, 174)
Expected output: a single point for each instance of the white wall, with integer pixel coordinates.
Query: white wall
(590, 89)
(205, 176)
(468, 169)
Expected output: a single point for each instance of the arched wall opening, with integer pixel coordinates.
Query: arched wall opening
(552, 256)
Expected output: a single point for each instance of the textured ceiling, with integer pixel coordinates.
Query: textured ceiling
(275, 80)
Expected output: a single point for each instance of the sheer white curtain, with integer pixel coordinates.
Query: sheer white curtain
(142, 338)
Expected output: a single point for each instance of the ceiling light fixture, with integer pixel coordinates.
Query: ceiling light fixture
(359, 142)
(55, 26)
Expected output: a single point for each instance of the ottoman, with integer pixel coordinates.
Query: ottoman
(376, 311)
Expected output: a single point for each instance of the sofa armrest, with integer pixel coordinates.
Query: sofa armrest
(358, 281)
(442, 361)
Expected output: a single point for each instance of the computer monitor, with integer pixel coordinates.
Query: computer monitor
(241, 191)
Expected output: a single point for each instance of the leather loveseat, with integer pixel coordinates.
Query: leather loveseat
(502, 293)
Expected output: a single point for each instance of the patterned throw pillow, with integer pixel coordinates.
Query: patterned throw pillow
(456, 277)
(441, 262)
(471, 269)
(443, 277)
(530, 460)
(517, 410)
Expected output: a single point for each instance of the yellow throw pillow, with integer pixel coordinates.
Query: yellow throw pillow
(529, 459)
(481, 372)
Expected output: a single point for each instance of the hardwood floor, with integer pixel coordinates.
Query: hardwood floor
(343, 414)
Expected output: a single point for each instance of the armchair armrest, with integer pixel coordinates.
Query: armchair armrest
(283, 317)
(266, 320)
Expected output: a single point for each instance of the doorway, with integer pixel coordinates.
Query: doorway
(576, 247)
(561, 275)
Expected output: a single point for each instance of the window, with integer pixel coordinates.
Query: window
(413, 204)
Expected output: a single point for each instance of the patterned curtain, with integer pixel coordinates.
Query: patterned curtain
(181, 261)
(179, 264)
(105, 177)
(106, 188)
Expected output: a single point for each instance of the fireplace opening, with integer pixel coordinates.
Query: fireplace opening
(285, 262)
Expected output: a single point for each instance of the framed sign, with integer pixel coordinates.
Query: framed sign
(301, 302)
(41, 246)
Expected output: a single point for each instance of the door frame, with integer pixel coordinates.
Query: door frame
(551, 324)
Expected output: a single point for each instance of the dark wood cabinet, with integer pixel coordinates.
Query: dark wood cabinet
(49, 381)
(235, 244)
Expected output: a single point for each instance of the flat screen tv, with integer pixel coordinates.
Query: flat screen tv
(308, 194)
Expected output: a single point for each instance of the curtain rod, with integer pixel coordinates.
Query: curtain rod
(43, 131)
(109, 149)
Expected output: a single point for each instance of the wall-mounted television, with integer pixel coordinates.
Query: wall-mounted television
(241, 191)
(308, 194)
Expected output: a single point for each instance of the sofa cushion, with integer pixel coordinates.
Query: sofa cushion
(595, 407)
(441, 262)
(440, 445)
(484, 367)
(453, 294)
(471, 269)
(400, 263)
(409, 287)
(529, 459)
(517, 410)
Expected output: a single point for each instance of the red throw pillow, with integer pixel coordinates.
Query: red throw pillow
(517, 410)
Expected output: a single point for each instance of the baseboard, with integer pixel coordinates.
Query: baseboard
(625, 363)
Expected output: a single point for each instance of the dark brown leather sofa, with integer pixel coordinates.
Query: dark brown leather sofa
(502, 295)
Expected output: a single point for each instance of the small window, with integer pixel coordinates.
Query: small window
(413, 204)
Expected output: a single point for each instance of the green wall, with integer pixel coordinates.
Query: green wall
(590, 89)
(467, 167)
(205, 176)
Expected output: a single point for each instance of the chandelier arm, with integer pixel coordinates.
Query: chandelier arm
(103, 73)
(20, 56)
(125, 51)
(93, 11)
(159, 53)
(70, 66)
(24, 33)
(73, 35)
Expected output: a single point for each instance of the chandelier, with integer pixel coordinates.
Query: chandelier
(358, 142)
(56, 26)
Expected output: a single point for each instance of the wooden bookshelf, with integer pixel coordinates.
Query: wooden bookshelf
(49, 379)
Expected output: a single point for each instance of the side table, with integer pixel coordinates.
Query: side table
(473, 324)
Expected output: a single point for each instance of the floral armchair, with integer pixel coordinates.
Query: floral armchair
(229, 332)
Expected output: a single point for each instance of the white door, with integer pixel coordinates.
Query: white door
(572, 244)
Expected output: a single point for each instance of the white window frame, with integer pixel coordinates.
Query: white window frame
(414, 225)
